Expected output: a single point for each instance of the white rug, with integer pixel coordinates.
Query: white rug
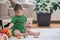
(45, 34)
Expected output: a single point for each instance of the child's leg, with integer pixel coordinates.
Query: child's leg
(33, 33)
(18, 34)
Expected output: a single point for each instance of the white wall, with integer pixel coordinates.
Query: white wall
(56, 16)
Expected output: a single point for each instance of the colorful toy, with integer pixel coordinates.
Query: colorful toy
(3, 37)
(6, 31)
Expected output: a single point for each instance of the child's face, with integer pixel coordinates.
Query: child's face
(19, 12)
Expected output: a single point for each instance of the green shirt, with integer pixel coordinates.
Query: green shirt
(19, 23)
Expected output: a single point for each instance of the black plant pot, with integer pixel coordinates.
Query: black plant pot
(43, 18)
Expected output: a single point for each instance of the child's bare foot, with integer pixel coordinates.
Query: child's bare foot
(19, 37)
(36, 35)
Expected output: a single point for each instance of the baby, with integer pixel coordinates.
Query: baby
(18, 23)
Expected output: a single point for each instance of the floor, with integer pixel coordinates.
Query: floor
(45, 34)
(52, 25)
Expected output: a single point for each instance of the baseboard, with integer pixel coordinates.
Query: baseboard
(57, 22)
(54, 22)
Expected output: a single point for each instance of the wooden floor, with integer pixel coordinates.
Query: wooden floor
(51, 26)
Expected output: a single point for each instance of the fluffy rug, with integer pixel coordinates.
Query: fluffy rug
(45, 34)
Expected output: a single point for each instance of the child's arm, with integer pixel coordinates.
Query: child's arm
(10, 26)
(28, 25)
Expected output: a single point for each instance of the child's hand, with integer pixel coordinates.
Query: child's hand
(29, 25)
(6, 28)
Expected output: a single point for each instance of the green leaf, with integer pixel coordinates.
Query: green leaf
(46, 9)
(37, 1)
(59, 2)
(37, 6)
(55, 7)
(53, 3)
(43, 5)
(59, 7)
(36, 9)
(47, 1)
(51, 10)
(42, 9)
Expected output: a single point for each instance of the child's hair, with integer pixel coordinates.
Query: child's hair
(17, 7)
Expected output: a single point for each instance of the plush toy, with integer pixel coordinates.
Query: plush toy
(6, 31)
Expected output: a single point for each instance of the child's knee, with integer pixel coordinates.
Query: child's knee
(27, 30)
(16, 32)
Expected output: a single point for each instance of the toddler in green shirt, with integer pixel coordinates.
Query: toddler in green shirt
(18, 23)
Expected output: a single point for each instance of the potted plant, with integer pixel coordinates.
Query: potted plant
(44, 9)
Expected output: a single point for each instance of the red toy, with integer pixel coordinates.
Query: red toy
(6, 31)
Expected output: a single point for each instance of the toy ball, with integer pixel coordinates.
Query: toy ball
(3, 37)
(6, 31)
